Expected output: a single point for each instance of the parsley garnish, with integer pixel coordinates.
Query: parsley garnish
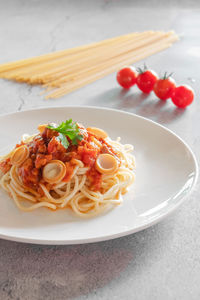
(64, 141)
(69, 129)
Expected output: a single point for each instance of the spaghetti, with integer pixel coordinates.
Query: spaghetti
(68, 166)
(64, 71)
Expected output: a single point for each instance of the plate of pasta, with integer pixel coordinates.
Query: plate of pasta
(73, 175)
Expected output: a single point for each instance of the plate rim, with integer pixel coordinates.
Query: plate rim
(148, 224)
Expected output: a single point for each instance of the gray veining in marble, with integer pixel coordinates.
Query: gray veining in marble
(162, 262)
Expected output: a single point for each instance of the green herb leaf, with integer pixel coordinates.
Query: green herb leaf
(76, 139)
(69, 129)
(62, 138)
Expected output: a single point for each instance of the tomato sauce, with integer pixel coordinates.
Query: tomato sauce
(46, 147)
(5, 165)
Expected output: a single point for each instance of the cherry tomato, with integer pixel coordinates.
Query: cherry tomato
(126, 77)
(164, 87)
(183, 96)
(146, 80)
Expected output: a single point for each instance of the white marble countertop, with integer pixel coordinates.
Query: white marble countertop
(162, 262)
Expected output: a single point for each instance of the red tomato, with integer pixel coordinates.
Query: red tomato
(164, 88)
(183, 96)
(126, 77)
(146, 80)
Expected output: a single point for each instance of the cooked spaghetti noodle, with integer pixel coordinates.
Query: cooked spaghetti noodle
(87, 173)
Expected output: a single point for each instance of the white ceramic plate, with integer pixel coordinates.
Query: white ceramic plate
(166, 171)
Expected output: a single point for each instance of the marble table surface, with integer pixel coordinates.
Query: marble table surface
(162, 262)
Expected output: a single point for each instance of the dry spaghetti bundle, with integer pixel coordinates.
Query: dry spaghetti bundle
(64, 71)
